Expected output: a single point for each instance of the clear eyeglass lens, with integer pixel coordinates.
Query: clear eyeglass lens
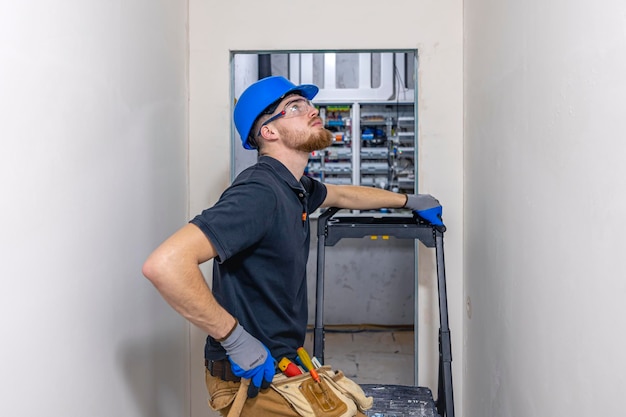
(298, 108)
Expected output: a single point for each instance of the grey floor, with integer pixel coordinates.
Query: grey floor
(370, 357)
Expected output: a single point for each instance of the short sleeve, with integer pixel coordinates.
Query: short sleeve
(240, 218)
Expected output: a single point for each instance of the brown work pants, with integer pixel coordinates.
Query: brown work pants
(268, 403)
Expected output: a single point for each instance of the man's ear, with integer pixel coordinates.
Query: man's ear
(268, 132)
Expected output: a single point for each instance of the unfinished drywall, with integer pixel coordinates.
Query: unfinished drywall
(544, 219)
(434, 29)
(93, 127)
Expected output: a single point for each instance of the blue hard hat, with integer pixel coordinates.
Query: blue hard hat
(259, 96)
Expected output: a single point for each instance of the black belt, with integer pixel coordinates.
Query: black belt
(221, 369)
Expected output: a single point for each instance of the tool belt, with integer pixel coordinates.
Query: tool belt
(221, 369)
(334, 395)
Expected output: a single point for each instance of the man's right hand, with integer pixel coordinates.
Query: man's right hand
(250, 359)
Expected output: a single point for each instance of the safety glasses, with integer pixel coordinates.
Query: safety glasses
(297, 107)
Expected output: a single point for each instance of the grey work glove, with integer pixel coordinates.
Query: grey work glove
(425, 206)
(250, 359)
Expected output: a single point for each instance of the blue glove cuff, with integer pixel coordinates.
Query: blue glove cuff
(432, 215)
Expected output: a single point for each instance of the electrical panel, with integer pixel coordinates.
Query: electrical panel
(373, 145)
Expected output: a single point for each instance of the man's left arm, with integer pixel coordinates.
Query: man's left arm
(366, 198)
(362, 198)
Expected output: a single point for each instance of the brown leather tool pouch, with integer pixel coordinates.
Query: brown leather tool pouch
(324, 398)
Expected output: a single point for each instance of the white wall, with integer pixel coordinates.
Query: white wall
(93, 128)
(93, 172)
(433, 28)
(544, 196)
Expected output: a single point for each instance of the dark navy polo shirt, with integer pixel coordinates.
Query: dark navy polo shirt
(260, 230)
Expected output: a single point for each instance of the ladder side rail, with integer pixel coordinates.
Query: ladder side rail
(445, 406)
(318, 331)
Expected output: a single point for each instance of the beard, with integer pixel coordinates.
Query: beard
(315, 141)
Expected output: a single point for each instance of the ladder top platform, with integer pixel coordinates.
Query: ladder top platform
(399, 226)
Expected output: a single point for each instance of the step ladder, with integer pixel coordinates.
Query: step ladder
(391, 400)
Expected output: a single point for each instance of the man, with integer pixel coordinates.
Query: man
(258, 235)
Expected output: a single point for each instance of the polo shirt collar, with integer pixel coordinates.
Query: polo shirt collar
(282, 171)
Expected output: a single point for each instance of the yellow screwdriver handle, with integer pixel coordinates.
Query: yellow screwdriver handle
(305, 358)
(308, 364)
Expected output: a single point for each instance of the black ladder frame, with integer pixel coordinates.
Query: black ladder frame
(331, 230)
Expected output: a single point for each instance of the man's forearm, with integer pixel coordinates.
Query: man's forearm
(190, 296)
(362, 198)
(173, 268)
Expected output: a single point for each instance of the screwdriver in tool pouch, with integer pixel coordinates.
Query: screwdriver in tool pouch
(306, 361)
(289, 368)
(308, 364)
